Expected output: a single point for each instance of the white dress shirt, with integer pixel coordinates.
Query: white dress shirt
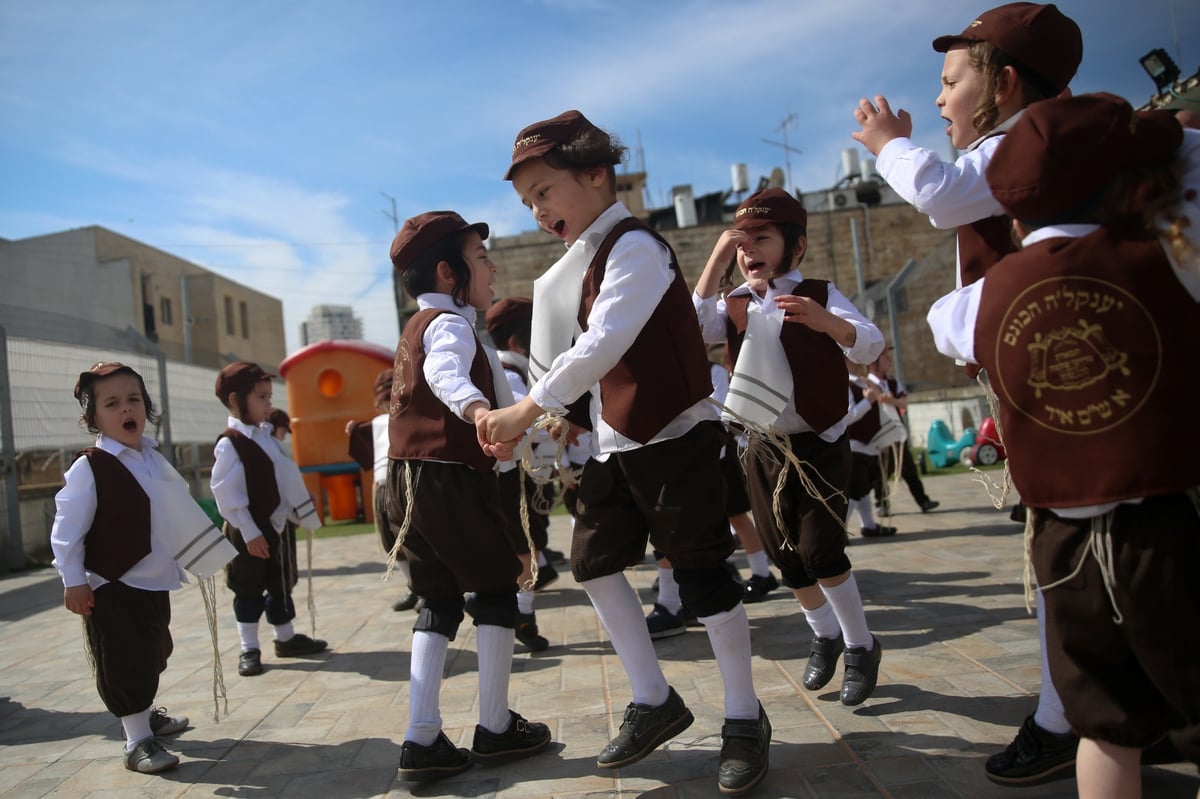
(868, 339)
(636, 278)
(228, 481)
(76, 510)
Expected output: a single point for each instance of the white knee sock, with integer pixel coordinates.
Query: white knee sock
(729, 635)
(620, 612)
(525, 601)
(284, 632)
(136, 727)
(866, 510)
(848, 607)
(668, 590)
(428, 660)
(541, 559)
(823, 621)
(495, 653)
(403, 567)
(1050, 715)
(759, 564)
(248, 635)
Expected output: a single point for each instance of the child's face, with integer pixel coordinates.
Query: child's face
(483, 272)
(760, 256)
(120, 409)
(960, 96)
(258, 403)
(564, 202)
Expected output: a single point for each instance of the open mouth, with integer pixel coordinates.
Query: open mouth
(129, 424)
(559, 226)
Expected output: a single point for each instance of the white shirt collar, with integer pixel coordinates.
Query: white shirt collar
(516, 359)
(595, 233)
(247, 429)
(444, 302)
(1071, 231)
(783, 285)
(115, 448)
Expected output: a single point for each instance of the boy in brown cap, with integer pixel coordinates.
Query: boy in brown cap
(1008, 57)
(786, 332)
(444, 498)
(262, 497)
(611, 318)
(1087, 337)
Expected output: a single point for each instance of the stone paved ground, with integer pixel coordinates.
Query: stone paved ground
(960, 672)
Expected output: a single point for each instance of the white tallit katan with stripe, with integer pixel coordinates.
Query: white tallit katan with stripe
(761, 385)
(182, 526)
(556, 297)
(292, 490)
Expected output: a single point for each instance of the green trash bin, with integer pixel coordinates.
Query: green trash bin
(209, 506)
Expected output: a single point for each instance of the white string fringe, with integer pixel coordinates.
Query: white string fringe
(997, 492)
(394, 554)
(208, 590)
(312, 604)
(1099, 546)
(772, 447)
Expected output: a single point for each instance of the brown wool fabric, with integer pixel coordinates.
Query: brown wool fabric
(769, 206)
(421, 232)
(535, 140)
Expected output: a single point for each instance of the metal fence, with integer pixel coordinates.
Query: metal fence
(41, 356)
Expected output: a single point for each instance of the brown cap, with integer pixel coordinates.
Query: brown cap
(237, 376)
(1040, 38)
(769, 206)
(278, 418)
(383, 387)
(100, 369)
(509, 311)
(1063, 151)
(541, 137)
(424, 230)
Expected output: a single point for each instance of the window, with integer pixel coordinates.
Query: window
(245, 319)
(165, 311)
(228, 315)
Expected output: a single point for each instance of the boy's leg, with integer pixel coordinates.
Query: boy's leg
(1108, 771)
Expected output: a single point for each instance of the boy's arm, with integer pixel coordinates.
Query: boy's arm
(952, 320)
(75, 509)
(861, 341)
(950, 193)
(228, 483)
(450, 348)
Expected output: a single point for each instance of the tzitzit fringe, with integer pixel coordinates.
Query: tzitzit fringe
(87, 646)
(208, 590)
(408, 509)
(1099, 546)
(312, 605)
(1028, 577)
(890, 487)
(770, 446)
(997, 492)
(524, 459)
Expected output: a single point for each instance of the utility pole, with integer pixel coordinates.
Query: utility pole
(787, 150)
(397, 289)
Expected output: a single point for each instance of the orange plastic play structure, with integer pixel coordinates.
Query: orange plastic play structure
(328, 384)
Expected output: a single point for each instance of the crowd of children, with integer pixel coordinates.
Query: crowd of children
(615, 347)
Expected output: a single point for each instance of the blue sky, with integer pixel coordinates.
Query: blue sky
(258, 138)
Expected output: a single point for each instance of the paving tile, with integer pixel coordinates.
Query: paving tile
(960, 672)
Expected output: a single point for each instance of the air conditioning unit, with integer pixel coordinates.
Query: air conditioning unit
(842, 198)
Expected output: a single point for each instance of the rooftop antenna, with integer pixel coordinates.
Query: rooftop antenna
(392, 216)
(787, 150)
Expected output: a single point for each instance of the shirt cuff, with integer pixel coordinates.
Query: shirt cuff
(891, 153)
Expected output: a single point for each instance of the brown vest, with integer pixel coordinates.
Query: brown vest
(1090, 345)
(981, 244)
(120, 533)
(865, 428)
(261, 487)
(420, 426)
(819, 373)
(665, 371)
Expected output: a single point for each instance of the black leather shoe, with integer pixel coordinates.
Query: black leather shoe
(758, 586)
(745, 747)
(861, 674)
(521, 739)
(299, 644)
(878, 531)
(406, 602)
(554, 556)
(928, 504)
(250, 663)
(822, 662)
(644, 728)
(527, 633)
(1034, 756)
(424, 763)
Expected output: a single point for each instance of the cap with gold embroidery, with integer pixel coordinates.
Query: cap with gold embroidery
(100, 369)
(772, 206)
(1039, 38)
(537, 139)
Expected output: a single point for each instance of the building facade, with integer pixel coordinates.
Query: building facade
(331, 322)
